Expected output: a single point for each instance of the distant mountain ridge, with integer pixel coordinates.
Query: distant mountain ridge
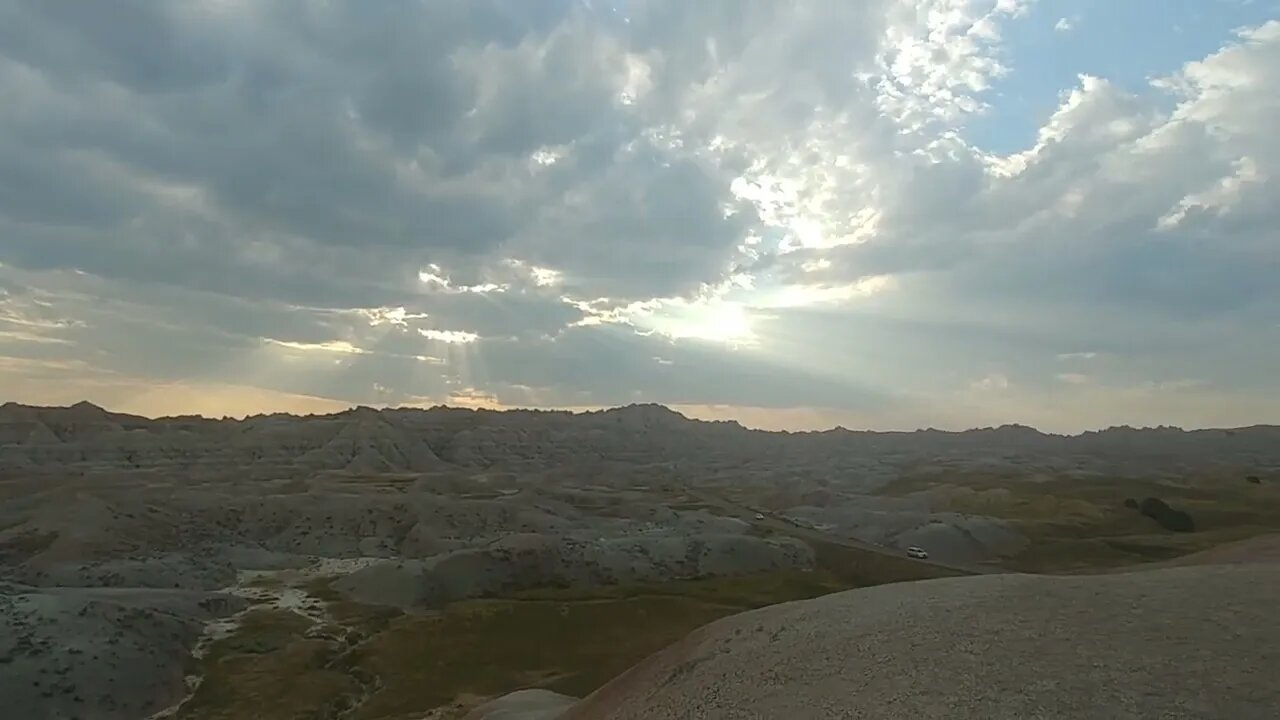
(652, 411)
(363, 440)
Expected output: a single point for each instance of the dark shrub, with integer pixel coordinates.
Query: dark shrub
(1178, 521)
(1254, 479)
(1151, 507)
(1167, 517)
(1131, 503)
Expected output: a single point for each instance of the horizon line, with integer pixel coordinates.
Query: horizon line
(583, 411)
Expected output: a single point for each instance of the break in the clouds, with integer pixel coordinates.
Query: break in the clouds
(887, 213)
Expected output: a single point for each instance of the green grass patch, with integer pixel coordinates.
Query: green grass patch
(268, 670)
(262, 631)
(482, 648)
(744, 591)
(567, 640)
(269, 582)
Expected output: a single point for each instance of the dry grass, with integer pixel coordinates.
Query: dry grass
(855, 567)
(1082, 524)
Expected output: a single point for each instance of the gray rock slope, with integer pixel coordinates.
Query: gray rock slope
(107, 654)
(531, 561)
(1189, 642)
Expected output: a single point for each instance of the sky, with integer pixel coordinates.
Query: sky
(884, 214)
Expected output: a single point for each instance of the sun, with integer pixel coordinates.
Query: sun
(715, 320)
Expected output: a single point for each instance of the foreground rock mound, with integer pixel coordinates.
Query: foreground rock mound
(524, 705)
(1194, 642)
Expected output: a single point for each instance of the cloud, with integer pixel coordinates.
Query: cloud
(995, 382)
(452, 337)
(310, 148)
(1065, 25)
(333, 346)
(773, 207)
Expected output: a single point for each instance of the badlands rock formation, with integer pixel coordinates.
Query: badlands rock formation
(85, 439)
(460, 475)
(524, 562)
(123, 537)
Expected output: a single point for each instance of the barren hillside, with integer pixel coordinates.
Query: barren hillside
(546, 550)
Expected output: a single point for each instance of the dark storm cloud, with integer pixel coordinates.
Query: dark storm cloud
(311, 128)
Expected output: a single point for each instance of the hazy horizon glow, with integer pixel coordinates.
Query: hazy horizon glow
(888, 214)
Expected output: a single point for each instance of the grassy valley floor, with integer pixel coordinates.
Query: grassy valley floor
(374, 663)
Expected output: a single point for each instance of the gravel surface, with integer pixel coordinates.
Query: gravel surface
(1195, 642)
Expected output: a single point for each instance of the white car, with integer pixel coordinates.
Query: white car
(759, 516)
(917, 553)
